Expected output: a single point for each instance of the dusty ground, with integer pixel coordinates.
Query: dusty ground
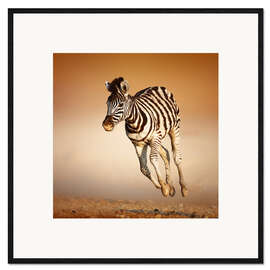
(78, 207)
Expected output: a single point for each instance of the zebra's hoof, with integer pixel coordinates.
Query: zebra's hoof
(172, 191)
(184, 191)
(165, 189)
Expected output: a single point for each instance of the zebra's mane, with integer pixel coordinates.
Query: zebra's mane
(141, 92)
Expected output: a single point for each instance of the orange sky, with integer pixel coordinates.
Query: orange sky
(89, 161)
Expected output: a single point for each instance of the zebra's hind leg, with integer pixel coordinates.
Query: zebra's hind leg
(141, 150)
(164, 153)
(175, 140)
(154, 158)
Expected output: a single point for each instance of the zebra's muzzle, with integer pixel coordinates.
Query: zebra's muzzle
(108, 124)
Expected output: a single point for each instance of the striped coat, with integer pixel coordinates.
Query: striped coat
(154, 111)
(149, 116)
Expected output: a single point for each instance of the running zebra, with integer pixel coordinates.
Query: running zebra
(149, 115)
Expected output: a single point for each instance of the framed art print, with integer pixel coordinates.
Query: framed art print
(135, 135)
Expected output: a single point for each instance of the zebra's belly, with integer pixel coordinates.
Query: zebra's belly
(146, 135)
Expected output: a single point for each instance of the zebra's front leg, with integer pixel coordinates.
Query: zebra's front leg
(154, 158)
(164, 153)
(141, 150)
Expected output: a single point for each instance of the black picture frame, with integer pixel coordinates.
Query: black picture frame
(13, 260)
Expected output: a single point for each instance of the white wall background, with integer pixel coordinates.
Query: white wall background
(107, 4)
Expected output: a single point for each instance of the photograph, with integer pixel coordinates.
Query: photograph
(135, 135)
(128, 127)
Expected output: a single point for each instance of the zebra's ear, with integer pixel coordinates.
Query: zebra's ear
(107, 84)
(124, 86)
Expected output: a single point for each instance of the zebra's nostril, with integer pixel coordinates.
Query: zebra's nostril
(108, 127)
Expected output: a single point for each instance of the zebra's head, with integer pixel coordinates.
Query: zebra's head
(117, 103)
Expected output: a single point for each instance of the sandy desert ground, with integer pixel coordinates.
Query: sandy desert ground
(83, 207)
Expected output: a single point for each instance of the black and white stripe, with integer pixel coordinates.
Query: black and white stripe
(149, 116)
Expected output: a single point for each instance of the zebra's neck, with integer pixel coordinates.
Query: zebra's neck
(136, 118)
(131, 111)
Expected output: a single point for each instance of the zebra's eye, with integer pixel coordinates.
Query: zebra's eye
(121, 104)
